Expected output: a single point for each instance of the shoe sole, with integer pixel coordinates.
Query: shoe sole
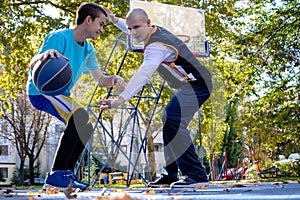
(159, 186)
(48, 186)
(193, 185)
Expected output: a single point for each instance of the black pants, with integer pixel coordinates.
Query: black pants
(178, 146)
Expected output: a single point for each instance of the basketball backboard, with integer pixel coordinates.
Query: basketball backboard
(187, 23)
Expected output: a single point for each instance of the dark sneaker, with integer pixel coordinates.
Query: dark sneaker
(186, 182)
(73, 177)
(162, 181)
(61, 179)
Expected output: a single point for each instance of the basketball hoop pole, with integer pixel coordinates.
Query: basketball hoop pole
(131, 46)
(204, 54)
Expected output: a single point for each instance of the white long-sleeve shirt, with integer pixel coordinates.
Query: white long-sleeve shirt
(154, 55)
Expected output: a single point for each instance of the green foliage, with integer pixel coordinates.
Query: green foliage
(16, 176)
(23, 24)
(271, 113)
(1, 177)
(289, 169)
(257, 59)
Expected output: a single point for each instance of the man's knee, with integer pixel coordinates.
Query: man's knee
(80, 116)
(86, 133)
(169, 116)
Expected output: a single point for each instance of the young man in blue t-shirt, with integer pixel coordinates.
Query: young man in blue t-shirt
(72, 45)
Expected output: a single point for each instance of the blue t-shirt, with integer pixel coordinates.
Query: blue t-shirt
(82, 58)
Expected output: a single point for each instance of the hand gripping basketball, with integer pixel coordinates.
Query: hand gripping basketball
(52, 75)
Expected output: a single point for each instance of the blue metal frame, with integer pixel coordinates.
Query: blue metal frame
(133, 119)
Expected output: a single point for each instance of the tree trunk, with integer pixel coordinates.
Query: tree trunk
(31, 170)
(151, 156)
(21, 172)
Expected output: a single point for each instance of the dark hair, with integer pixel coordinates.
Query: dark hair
(88, 9)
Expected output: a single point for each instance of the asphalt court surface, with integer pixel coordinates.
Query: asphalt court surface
(232, 190)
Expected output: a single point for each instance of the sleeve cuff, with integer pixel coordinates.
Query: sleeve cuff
(126, 95)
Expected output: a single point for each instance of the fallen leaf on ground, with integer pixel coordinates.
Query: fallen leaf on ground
(150, 192)
(52, 191)
(118, 190)
(239, 185)
(8, 191)
(38, 192)
(124, 196)
(69, 191)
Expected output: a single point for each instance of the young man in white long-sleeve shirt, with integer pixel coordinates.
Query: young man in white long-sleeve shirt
(167, 54)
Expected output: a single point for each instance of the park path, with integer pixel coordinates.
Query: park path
(229, 190)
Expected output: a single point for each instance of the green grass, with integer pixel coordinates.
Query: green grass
(22, 187)
(280, 179)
